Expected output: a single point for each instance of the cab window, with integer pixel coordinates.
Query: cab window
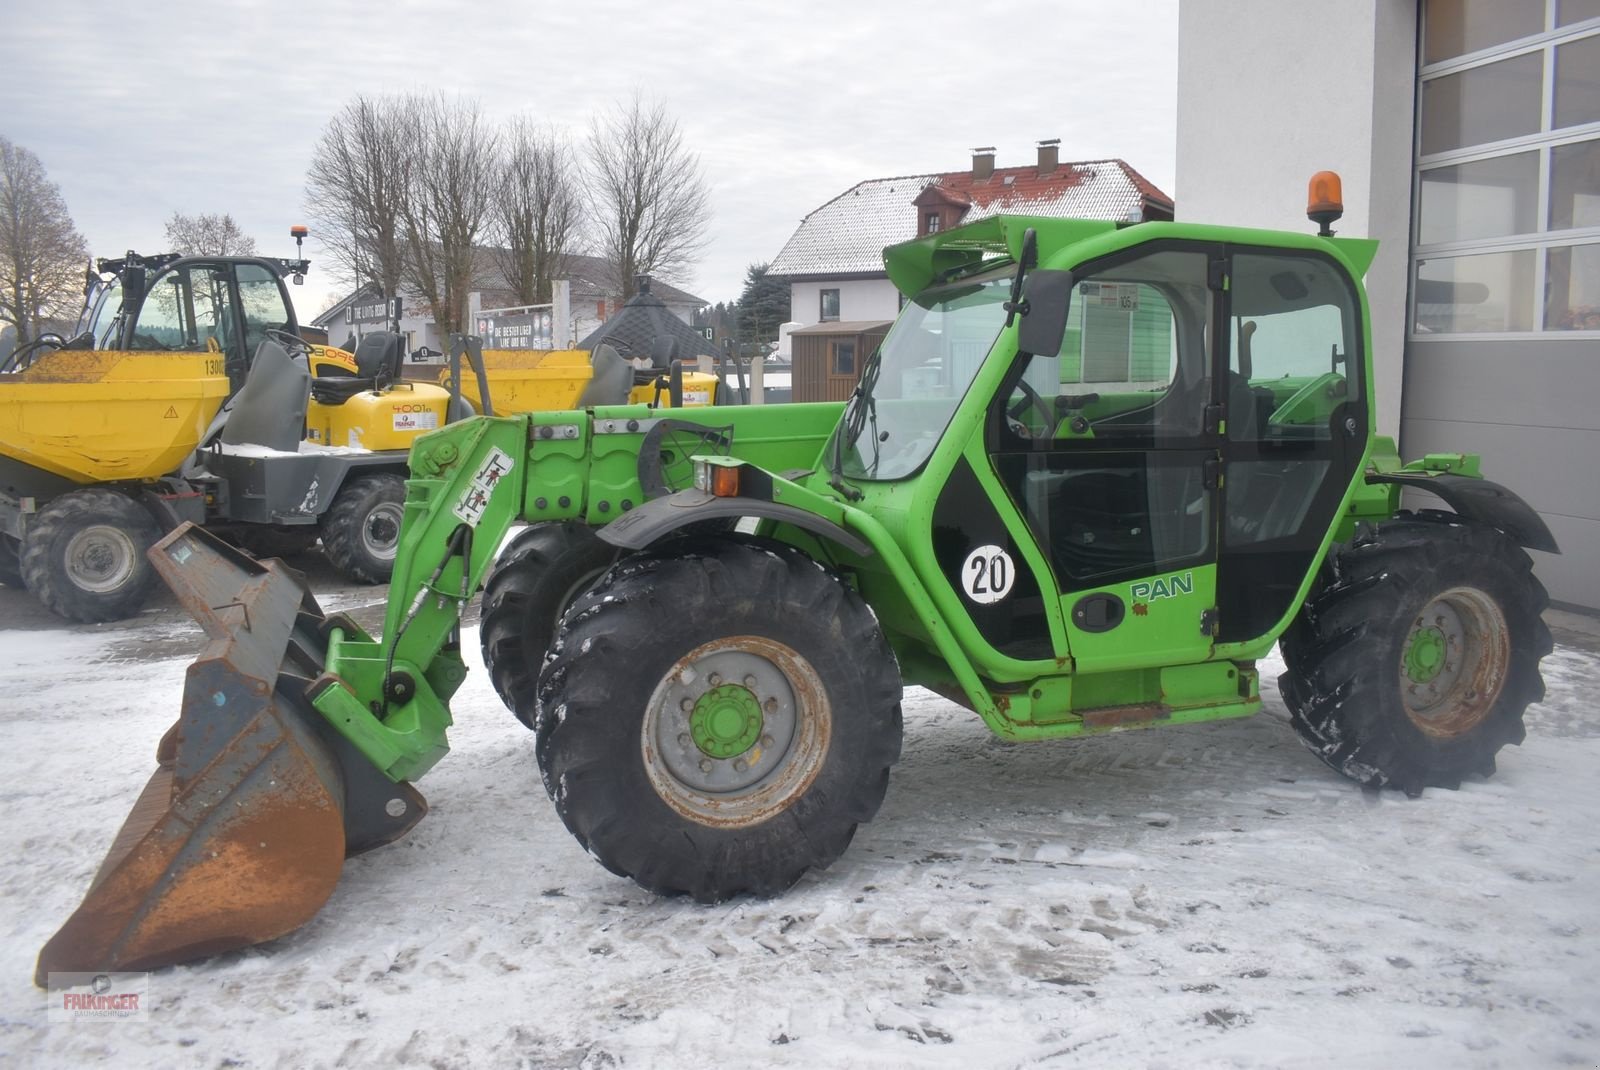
(261, 299)
(185, 308)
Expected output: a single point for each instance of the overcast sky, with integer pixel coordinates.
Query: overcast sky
(141, 111)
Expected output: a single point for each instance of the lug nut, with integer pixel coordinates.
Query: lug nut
(740, 766)
(683, 739)
(686, 705)
(771, 705)
(750, 682)
(714, 680)
(766, 741)
(705, 765)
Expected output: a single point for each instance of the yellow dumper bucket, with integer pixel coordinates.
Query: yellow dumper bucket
(240, 835)
(530, 380)
(95, 417)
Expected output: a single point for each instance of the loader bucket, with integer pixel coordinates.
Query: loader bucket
(240, 835)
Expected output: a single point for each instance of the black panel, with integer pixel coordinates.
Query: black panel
(963, 520)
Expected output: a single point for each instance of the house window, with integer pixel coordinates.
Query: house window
(843, 358)
(930, 223)
(830, 305)
(1508, 171)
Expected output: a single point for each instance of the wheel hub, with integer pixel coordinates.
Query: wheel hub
(381, 533)
(735, 731)
(1454, 663)
(1425, 656)
(726, 721)
(100, 558)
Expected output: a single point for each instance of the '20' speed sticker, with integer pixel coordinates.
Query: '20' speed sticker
(987, 574)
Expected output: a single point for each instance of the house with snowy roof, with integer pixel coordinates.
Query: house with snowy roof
(834, 260)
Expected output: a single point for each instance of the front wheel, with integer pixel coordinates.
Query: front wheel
(1413, 666)
(718, 718)
(361, 532)
(533, 582)
(84, 555)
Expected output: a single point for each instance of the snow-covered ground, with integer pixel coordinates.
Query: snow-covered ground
(1202, 896)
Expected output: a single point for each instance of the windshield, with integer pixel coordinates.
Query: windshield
(912, 385)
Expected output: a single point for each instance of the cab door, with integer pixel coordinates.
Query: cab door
(1110, 450)
(1296, 427)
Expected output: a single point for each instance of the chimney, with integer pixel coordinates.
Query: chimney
(641, 284)
(982, 163)
(1049, 155)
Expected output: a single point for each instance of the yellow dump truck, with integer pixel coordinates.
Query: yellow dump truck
(187, 394)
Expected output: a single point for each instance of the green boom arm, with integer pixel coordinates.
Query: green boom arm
(391, 697)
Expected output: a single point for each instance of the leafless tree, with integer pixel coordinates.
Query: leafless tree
(448, 206)
(356, 190)
(42, 255)
(537, 209)
(648, 198)
(208, 234)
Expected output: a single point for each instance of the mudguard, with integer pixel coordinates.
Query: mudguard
(1480, 499)
(660, 516)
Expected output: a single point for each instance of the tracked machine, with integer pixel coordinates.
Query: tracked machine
(1094, 473)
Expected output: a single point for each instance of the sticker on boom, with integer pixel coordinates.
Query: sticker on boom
(475, 499)
(987, 575)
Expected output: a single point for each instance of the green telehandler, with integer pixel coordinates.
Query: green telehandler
(1093, 474)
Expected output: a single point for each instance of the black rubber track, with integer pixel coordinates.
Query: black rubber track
(531, 585)
(1343, 653)
(43, 561)
(343, 524)
(620, 638)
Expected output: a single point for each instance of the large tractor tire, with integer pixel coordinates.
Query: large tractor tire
(11, 562)
(717, 718)
(533, 582)
(1413, 665)
(84, 555)
(361, 531)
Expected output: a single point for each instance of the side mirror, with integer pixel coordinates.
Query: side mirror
(1047, 294)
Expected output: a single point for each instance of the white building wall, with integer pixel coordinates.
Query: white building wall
(859, 299)
(1272, 91)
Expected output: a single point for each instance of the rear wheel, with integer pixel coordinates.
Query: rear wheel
(533, 582)
(1413, 666)
(84, 555)
(717, 719)
(361, 532)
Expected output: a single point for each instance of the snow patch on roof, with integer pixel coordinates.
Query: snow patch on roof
(849, 233)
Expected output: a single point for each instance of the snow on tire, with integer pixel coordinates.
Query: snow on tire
(1414, 664)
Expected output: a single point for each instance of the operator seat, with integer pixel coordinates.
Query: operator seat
(378, 358)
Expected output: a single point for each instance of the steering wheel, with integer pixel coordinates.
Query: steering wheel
(24, 355)
(1032, 399)
(288, 340)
